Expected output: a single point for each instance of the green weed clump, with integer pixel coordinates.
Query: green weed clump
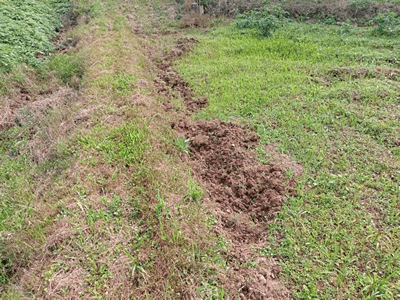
(386, 24)
(26, 27)
(194, 191)
(182, 145)
(265, 22)
(67, 67)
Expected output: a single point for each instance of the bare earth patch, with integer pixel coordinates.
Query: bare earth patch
(247, 195)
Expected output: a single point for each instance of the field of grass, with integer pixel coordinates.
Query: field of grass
(329, 98)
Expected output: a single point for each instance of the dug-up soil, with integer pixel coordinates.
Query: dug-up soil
(244, 193)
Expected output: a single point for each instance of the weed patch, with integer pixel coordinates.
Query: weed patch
(127, 143)
(69, 68)
(386, 24)
(25, 28)
(265, 22)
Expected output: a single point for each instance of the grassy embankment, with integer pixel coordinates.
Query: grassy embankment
(329, 97)
(106, 208)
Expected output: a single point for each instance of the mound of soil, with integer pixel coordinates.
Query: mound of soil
(247, 195)
(235, 179)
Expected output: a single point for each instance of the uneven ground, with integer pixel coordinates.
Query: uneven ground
(144, 160)
(101, 197)
(329, 99)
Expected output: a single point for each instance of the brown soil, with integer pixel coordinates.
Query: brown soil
(247, 196)
(234, 177)
(245, 193)
(168, 78)
(345, 74)
(340, 10)
(10, 106)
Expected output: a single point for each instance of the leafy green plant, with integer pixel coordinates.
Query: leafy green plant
(161, 208)
(265, 22)
(327, 19)
(26, 27)
(182, 145)
(194, 191)
(386, 24)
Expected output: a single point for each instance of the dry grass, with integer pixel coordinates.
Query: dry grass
(113, 228)
(196, 20)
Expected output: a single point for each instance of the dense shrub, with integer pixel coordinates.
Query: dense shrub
(25, 29)
(265, 21)
(386, 24)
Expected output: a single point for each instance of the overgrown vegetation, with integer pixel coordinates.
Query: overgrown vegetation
(26, 27)
(265, 22)
(329, 98)
(386, 24)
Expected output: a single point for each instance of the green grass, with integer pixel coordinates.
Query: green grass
(126, 143)
(305, 91)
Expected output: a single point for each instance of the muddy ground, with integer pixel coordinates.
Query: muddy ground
(247, 194)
